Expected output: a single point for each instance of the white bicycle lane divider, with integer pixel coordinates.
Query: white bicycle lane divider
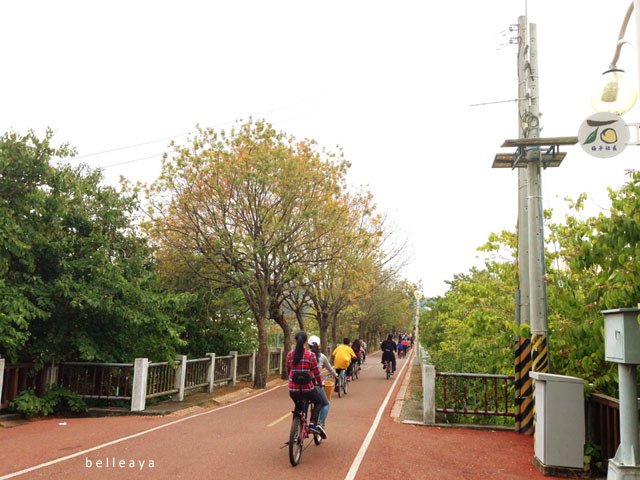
(357, 461)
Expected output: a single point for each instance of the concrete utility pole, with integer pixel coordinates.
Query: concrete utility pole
(523, 384)
(529, 159)
(537, 286)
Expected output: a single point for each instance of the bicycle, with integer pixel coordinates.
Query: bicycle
(356, 370)
(341, 383)
(387, 368)
(300, 432)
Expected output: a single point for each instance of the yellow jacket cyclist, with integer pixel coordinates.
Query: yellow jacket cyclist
(342, 356)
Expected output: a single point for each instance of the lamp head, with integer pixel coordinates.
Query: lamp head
(616, 94)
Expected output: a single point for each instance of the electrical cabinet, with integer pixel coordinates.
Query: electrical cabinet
(622, 336)
(560, 431)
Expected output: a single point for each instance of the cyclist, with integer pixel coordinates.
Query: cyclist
(388, 347)
(323, 362)
(342, 356)
(356, 346)
(400, 349)
(304, 377)
(363, 349)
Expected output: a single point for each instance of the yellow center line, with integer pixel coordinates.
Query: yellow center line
(285, 416)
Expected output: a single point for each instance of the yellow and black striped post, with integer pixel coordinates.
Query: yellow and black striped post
(524, 388)
(540, 352)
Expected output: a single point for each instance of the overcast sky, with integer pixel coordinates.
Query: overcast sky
(390, 82)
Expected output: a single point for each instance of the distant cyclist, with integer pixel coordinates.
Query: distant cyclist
(304, 376)
(356, 346)
(388, 348)
(363, 349)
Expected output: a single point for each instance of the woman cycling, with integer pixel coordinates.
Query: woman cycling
(323, 361)
(304, 376)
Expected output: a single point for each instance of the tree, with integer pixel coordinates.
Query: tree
(76, 281)
(236, 207)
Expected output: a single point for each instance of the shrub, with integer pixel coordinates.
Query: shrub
(30, 405)
(57, 400)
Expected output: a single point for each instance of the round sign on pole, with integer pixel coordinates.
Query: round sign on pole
(603, 135)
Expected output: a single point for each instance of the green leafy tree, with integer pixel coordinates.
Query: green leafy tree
(76, 281)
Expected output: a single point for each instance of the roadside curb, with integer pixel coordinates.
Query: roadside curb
(188, 406)
(396, 410)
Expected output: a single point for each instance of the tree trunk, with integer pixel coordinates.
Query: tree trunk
(323, 325)
(278, 317)
(300, 318)
(334, 330)
(262, 373)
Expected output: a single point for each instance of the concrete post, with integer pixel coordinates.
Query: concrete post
(268, 360)
(281, 369)
(628, 454)
(429, 393)
(180, 378)
(211, 370)
(253, 366)
(234, 367)
(1, 377)
(50, 376)
(139, 390)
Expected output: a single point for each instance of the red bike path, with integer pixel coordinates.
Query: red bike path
(246, 440)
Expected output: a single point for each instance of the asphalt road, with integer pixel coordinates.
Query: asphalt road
(244, 440)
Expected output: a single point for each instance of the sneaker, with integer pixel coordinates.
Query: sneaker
(321, 430)
(314, 429)
(383, 367)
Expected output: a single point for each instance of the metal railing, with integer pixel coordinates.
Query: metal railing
(475, 394)
(196, 373)
(109, 381)
(275, 361)
(17, 378)
(603, 423)
(223, 369)
(133, 381)
(244, 368)
(161, 379)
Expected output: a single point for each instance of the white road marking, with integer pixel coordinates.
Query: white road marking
(351, 474)
(129, 437)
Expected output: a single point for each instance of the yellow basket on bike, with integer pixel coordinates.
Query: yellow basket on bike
(328, 388)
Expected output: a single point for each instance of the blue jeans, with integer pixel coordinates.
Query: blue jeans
(324, 406)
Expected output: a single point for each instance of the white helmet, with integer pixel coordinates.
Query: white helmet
(314, 339)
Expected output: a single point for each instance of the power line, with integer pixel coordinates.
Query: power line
(117, 149)
(132, 161)
(132, 146)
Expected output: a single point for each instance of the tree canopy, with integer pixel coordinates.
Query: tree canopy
(76, 280)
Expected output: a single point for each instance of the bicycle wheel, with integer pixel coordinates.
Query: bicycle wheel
(344, 385)
(339, 382)
(356, 368)
(388, 369)
(295, 440)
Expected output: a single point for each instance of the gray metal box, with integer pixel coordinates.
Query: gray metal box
(560, 430)
(622, 335)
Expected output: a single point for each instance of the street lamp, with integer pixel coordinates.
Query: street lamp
(418, 295)
(616, 94)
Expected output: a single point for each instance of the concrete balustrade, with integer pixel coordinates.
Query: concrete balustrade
(160, 379)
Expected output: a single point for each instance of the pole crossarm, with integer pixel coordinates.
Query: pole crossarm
(530, 149)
